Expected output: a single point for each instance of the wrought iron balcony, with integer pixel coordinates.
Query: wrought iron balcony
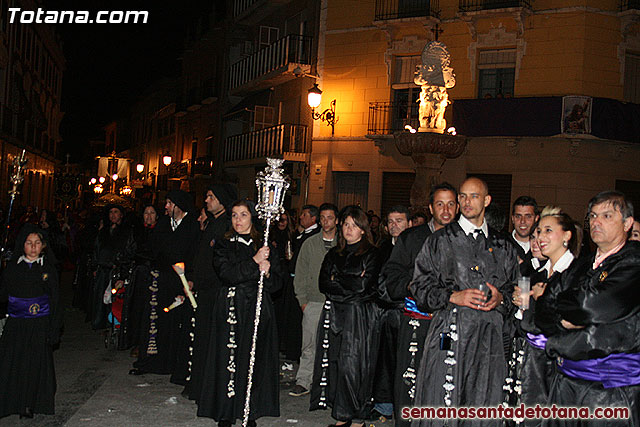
(398, 9)
(271, 65)
(251, 11)
(629, 5)
(475, 5)
(281, 140)
(389, 117)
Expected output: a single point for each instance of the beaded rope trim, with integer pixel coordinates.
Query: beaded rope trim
(232, 320)
(152, 347)
(324, 378)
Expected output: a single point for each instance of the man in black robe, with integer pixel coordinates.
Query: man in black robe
(395, 278)
(598, 318)
(114, 240)
(524, 215)
(172, 242)
(466, 280)
(206, 283)
(397, 222)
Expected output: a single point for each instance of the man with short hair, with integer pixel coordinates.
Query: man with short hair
(464, 275)
(395, 278)
(173, 240)
(218, 199)
(524, 214)
(311, 299)
(598, 315)
(397, 221)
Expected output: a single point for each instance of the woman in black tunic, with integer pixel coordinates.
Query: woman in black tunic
(238, 262)
(30, 285)
(348, 331)
(559, 241)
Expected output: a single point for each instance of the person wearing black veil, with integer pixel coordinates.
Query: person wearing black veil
(172, 241)
(30, 285)
(206, 283)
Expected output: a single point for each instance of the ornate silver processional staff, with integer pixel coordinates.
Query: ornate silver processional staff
(17, 176)
(272, 183)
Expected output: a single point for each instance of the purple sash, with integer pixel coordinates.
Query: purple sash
(28, 308)
(537, 341)
(615, 370)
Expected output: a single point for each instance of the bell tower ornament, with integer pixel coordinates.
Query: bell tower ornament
(434, 76)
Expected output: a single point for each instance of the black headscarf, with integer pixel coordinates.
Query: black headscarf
(182, 199)
(225, 193)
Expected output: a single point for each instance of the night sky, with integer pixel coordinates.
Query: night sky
(109, 65)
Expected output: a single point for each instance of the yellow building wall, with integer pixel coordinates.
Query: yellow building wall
(568, 47)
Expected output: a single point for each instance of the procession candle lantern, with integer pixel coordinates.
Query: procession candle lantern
(272, 184)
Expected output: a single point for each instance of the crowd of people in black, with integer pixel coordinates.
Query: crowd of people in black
(382, 314)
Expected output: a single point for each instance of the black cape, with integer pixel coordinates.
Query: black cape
(451, 261)
(169, 247)
(343, 373)
(206, 284)
(411, 332)
(27, 376)
(224, 383)
(606, 302)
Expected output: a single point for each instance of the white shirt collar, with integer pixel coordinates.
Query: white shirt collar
(535, 262)
(241, 239)
(307, 230)
(469, 227)
(524, 245)
(39, 260)
(176, 222)
(562, 264)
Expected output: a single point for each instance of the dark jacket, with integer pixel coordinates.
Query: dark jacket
(398, 270)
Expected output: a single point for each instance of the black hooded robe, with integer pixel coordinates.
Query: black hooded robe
(412, 330)
(27, 375)
(450, 261)
(348, 333)
(206, 284)
(606, 302)
(169, 247)
(226, 371)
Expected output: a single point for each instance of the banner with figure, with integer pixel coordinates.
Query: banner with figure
(576, 114)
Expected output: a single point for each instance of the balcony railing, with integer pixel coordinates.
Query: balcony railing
(397, 9)
(241, 6)
(475, 5)
(273, 141)
(291, 49)
(629, 5)
(389, 117)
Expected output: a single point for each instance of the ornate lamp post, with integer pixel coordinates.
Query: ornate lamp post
(272, 183)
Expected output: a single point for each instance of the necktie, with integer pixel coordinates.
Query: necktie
(478, 233)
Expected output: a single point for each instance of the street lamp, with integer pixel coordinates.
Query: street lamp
(314, 97)
(101, 179)
(166, 159)
(114, 177)
(93, 181)
(140, 167)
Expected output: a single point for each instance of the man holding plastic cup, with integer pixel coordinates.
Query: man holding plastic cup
(464, 346)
